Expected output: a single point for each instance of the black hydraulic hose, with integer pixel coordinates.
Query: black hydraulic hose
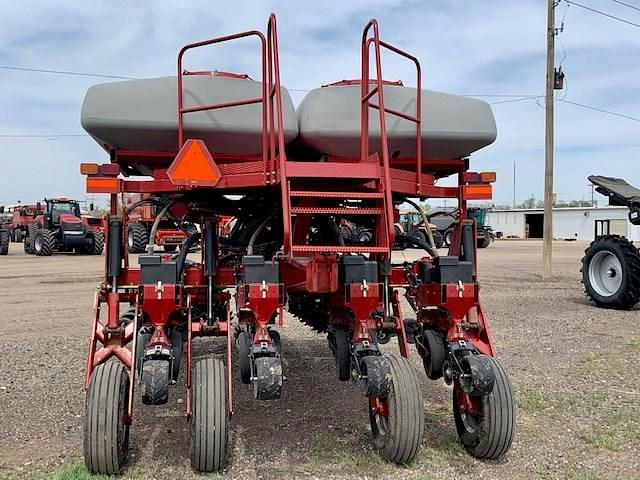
(156, 224)
(418, 243)
(425, 219)
(254, 237)
(188, 244)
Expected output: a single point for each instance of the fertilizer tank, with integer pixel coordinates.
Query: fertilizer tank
(452, 126)
(142, 114)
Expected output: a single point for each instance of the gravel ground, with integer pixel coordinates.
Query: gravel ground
(573, 366)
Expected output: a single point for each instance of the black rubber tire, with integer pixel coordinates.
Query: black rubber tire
(365, 236)
(4, 242)
(420, 235)
(276, 341)
(43, 243)
(343, 354)
(137, 238)
(493, 430)
(154, 382)
(210, 416)
(448, 236)
(28, 241)
(95, 243)
(628, 295)
(18, 235)
(405, 424)
(433, 354)
(106, 437)
(244, 345)
(438, 239)
(170, 248)
(484, 239)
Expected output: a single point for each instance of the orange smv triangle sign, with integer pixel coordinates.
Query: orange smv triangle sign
(194, 166)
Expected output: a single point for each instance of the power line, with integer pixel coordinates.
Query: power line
(596, 109)
(65, 72)
(600, 12)
(53, 136)
(626, 5)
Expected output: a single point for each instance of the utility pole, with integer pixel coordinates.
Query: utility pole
(514, 184)
(548, 147)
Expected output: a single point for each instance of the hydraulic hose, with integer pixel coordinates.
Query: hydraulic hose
(156, 224)
(254, 237)
(188, 244)
(426, 224)
(418, 243)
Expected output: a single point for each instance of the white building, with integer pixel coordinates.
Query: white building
(568, 223)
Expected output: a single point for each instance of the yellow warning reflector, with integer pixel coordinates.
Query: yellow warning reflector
(194, 166)
(89, 168)
(478, 192)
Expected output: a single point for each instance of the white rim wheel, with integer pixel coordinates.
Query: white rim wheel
(605, 273)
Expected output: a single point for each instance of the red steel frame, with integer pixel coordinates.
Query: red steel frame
(454, 308)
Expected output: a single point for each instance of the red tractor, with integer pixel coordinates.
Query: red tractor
(61, 228)
(20, 217)
(284, 251)
(142, 214)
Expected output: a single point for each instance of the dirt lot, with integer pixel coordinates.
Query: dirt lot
(574, 368)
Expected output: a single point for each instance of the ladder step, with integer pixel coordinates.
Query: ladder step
(337, 249)
(337, 210)
(339, 195)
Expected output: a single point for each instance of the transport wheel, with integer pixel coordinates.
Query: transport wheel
(343, 354)
(170, 248)
(95, 243)
(486, 424)
(484, 239)
(155, 382)
(448, 236)
(137, 238)
(43, 243)
(244, 346)
(611, 272)
(4, 242)
(397, 420)
(106, 436)
(209, 421)
(431, 348)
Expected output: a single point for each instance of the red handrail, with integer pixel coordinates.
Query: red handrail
(366, 103)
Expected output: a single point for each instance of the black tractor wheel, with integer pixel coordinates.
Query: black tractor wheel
(4, 242)
(438, 239)
(343, 354)
(106, 436)
(433, 352)
(137, 238)
(398, 426)
(486, 424)
(484, 239)
(155, 382)
(243, 343)
(28, 240)
(611, 272)
(43, 243)
(448, 236)
(365, 236)
(210, 416)
(17, 235)
(94, 244)
(420, 235)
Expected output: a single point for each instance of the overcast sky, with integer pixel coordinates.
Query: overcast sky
(465, 46)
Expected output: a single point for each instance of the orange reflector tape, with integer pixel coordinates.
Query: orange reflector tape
(478, 192)
(103, 185)
(194, 166)
(488, 177)
(89, 168)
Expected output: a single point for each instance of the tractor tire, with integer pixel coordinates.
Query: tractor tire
(398, 435)
(17, 235)
(155, 382)
(438, 239)
(433, 352)
(448, 236)
(420, 235)
(244, 346)
(210, 416)
(488, 434)
(43, 243)
(4, 242)
(611, 273)
(484, 239)
(95, 243)
(106, 436)
(137, 238)
(28, 241)
(343, 354)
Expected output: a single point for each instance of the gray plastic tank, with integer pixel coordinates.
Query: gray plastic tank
(452, 126)
(142, 114)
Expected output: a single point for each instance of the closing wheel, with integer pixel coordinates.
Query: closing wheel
(267, 384)
(155, 382)
(244, 346)
(431, 348)
(210, 416)
(486, 424)
(611, 272)
(397, 420)
(343, 354)
(106, 436)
